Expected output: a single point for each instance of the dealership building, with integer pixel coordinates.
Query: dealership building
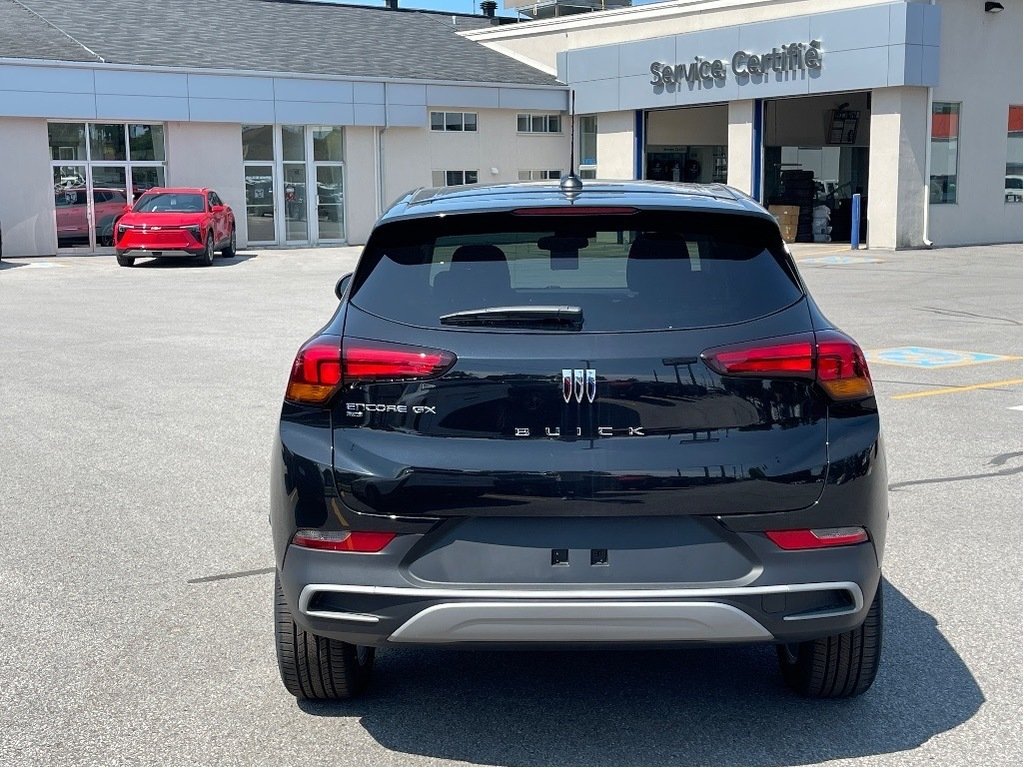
(309, 118)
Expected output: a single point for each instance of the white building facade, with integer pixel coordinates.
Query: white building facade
(913, 106)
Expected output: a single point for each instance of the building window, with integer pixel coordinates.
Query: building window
(945, 141)
(1014, 190)
(453, 178)
(539, 123)
(588, 147)
(539, 175)
(453, 121)
(98, 169)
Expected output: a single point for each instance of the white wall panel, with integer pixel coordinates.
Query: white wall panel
(203, 86)
(158, 108)
(313, 113)
(288, 89)
(231, 110)
(126, 83)
(46, 79)
(209, 155)
(42, 104)
(26, 206)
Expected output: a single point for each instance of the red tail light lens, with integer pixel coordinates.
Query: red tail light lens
(785, 357)
(831, 358)
(316, 372)
(343, 541)
(842, 369)
(324, 364)
(377, 361)
(817, 538)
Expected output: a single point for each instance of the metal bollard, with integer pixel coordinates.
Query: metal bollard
(855, 223)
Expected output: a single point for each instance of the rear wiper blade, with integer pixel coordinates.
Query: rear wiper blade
(527, 316)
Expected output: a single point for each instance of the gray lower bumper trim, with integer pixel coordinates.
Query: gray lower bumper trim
(579, 621)
(605, 598)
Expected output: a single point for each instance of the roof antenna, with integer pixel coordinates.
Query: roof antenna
(570, 184)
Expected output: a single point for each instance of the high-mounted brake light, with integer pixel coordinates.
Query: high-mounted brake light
(817, 538)
(343, 541)
(583, 210)
(829, 357)
(325, 363)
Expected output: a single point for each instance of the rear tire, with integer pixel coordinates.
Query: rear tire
(838, 666)
(229, 250)
(314, 667)
(125, 261)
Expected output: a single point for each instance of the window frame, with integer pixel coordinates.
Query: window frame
(1018, 197)
(445, 175)
(462, 122)
(952, 108)
(546, 119)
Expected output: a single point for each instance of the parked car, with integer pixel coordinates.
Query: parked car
(546, 417)
(176, 221)
(72, 209)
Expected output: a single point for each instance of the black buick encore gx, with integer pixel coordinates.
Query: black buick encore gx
(552, 416)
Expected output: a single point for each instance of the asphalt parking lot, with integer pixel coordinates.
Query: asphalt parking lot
(136, 411)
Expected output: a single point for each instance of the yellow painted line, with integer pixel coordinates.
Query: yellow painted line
(954, 390)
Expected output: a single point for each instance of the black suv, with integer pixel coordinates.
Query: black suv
(549, 416)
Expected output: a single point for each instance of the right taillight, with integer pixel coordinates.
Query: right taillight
(841, 367)
(831, 358)
(324, 364)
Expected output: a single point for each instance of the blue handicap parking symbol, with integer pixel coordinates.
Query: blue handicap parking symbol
(928, 357)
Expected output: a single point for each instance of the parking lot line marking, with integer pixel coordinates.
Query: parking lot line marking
(954, 390)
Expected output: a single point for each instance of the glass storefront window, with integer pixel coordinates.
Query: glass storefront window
(67, 141)
(588, 147)
(257, 142)
(944, 152)
(293, 142)
(1014, 182)
(296, 227)
(146, 142)
(328, 143)
(107, 142)
(146, 177)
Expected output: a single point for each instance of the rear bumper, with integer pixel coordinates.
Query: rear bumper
(373, 603)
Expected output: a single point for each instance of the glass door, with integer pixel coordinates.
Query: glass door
(109, 197)
(74, 211)
(330, 202)
(328, 155)
(259, 203)
(296, 197)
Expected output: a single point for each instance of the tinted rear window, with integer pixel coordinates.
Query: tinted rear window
(647, 271)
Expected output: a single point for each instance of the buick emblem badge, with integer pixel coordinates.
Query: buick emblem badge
(579, 382)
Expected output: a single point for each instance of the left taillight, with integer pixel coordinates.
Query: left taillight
(831, 358)
(324, 363)
(316, 372)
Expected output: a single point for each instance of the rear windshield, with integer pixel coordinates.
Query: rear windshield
(650, 270)
(170, 202)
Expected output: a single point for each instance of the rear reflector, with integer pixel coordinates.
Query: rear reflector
(829, 357)
(323, 364)
(343, 541)
(817, 538)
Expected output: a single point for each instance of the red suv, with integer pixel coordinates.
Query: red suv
(176, 221)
